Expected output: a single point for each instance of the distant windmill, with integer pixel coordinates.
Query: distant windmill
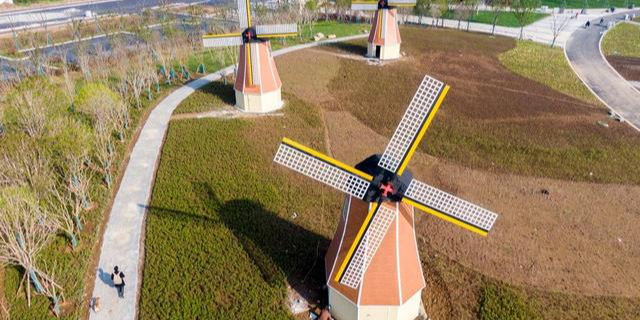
(384, 38)
(372, 266)
(257, 83)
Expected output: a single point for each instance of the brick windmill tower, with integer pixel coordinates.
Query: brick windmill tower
(373, 267)
(384, 38)
(257, 83)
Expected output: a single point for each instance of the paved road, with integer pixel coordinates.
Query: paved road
(122, 242)
(62, 13)
(583, 52)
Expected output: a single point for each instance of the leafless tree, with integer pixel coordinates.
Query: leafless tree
(24, 232)
(559, 21)
(497, 8)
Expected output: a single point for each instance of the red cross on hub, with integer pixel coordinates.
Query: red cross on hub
(386, 189)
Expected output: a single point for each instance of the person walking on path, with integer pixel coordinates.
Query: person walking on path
(118, 281)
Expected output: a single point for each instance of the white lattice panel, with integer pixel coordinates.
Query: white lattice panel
(450, 205)
(401, 2)
(219, 42)
(419, 109)
(256, 71)
(370, 6)
(276, 29)
(243, 17)
(368, 246)
(319, 170)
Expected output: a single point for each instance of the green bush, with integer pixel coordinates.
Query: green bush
(498, 302)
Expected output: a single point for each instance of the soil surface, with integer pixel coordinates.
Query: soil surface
(580, 238)
(553, 235)
(628, 67)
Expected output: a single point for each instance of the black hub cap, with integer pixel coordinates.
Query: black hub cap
(386, 185)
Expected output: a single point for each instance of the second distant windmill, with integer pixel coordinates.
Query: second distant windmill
(258, 85)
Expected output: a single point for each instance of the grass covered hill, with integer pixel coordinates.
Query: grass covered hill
(229, 232)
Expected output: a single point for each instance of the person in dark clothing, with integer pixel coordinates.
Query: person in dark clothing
(587, 24)
(601, 21)
(117, 277)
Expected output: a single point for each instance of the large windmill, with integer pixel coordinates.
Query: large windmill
(372, 266)
(257, 83)
(384, 38)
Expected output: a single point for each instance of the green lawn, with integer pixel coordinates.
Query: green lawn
(547, 66)
(221, 242)
(213, 96)
(622, 40)
(505, 19)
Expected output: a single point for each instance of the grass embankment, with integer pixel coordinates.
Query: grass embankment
(622, 40)
(228, 229)
(222, 236)
(505, 19)
(547, 66)
(213, 96)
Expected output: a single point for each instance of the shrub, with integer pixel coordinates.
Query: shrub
(498, 302)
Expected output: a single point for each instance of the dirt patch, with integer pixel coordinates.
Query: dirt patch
(493, 119)
(628, 67)
(580, 238)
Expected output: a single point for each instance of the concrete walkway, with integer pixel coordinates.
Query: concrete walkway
(583, 52)
(540, 31)
(123, 241)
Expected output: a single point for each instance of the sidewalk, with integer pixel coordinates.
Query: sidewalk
(540, 31)
(123, 241)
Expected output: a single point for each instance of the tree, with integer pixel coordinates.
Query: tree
(523, 11)
(559, 21)
(24, 232)
(106, 111)
(33, 104)
(497, 7)
(461, 12)
(472, 6)
(422, 8)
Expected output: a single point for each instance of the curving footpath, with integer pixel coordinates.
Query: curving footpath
(123, 240)
(583, 52)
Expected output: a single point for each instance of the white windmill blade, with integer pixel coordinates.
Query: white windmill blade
(276, 30)
(244, 13)
(322, 168)
(219, 41)
(449, 207)
(357, 261)
(414, 123)
(364, 5)
(401, 3)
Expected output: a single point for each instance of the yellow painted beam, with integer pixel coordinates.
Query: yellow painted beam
(250, 67)
(445, 217)
(354, 245)
(278, 35)
(248, 4)
(422, 131)
(327, 159)
(226, 35)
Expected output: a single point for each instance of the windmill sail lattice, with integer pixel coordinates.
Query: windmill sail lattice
(392, 164)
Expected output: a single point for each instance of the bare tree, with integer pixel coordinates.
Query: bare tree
(461, 12)
(24, 232)
(559, 21)
(472, 6)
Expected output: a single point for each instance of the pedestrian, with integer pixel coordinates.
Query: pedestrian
(601, 21)
(587, 24)
(117, 277)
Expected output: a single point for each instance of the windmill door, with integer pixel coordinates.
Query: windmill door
(378, 51)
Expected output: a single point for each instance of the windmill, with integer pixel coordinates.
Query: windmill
(257, 83)
(372, 266)
(384, 38)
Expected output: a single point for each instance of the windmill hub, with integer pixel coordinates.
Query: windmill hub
(249, 35)
(386, 185)
(383, 4)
